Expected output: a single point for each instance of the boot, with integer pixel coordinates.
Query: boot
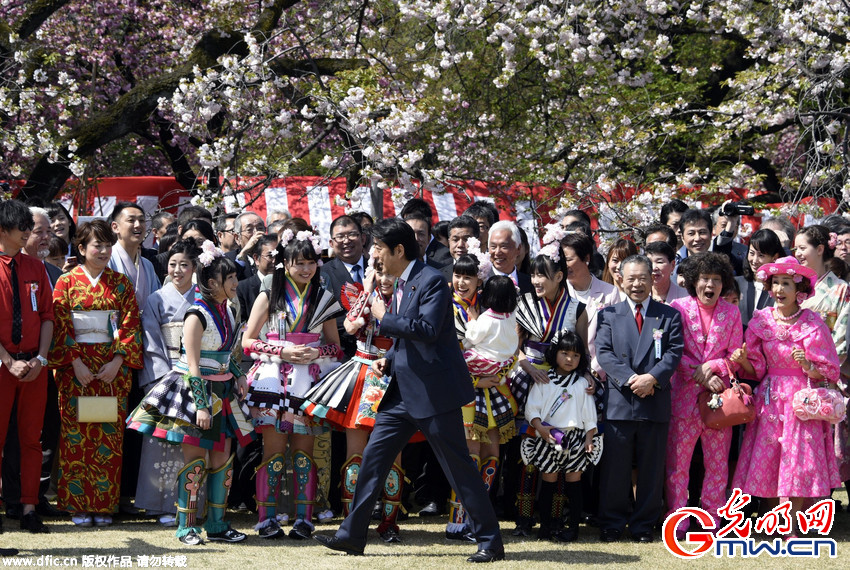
(391, 504)
(350, 472)
(456, 528)
(525, 501)
(489, 469)
(306, 485)
(218, 486)
(268, 475)
(548, 523)
(189, 481)
(576, 499)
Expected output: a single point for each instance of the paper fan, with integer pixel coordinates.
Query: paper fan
(349, 293)
(326, 308)
(595, 455)
(528, 315)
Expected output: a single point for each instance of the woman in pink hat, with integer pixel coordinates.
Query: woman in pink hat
(783, 457)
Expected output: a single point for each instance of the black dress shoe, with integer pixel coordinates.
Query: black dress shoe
(32, 522)
(14, 512)
(45, 509)
(643, 537)
(390, 536)
(610, 535)
(8, 551)
(462, 535)
(487, 555)
(429, 510)
(338, 544)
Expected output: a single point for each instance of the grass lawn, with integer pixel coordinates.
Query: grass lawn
(424, 546)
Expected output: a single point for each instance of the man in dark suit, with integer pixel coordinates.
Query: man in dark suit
(347, 266)
(639, 345)
(429, 385)
(263, 257)
(503, 243)
(249, 228)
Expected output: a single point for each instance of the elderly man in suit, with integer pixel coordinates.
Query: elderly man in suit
(639, 345)
(503, 241)
(429, 385)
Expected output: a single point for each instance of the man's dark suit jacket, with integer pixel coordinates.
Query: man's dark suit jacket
(748, 302)
(242, 271)
(247, 292)
(53, 273)
(426, 360)
(334, 275)
(622, 352)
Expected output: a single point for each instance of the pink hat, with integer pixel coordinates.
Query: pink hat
(788, 266)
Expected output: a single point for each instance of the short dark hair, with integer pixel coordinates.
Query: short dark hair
(345, 220)
(120, 207)
(189, 213)
(766, 242)
(581, 244)
(581, 214)
(168, 239)
(160, 218)
(465, 221)
(394, 232)
(693, 217)
(100, 230)
(441, 229)
(202, 226)
(568, 340)
(707, 263)
(360, 216)
(418, 217)
(221, 223)
(58, 246)
(267, 239)
(419, 207)
(674, 205)
(669, 233)
(498, 294)
(482, 209)
(15, 215)
(660, 248)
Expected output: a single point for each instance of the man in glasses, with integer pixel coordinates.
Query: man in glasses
(249, 228)
(347, 266)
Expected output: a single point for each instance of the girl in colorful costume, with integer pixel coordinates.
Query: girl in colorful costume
(301, 344)
(348, 397)
(196, 404)
(491, 341)
(162, 326)
(783, 457)
(541, 314)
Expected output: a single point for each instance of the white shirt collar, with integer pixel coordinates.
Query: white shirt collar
(360, 262)
(643, 308)
(405, 275)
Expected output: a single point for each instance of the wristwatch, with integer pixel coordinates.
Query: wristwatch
(41, 359)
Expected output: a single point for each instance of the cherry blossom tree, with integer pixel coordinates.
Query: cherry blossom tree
(590, 95)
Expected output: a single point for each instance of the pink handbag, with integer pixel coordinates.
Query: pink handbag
(819, 404)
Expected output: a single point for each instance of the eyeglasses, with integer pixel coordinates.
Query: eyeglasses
(268, 255)
(253, 229)
(342, 238)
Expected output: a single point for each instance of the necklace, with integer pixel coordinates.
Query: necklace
(780, 317)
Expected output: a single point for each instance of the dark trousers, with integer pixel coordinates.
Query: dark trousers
(12, 450)
(132, 446)
(393, 428)
(646, 442)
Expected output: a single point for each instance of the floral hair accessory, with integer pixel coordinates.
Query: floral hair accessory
(473, 248)
(552, 241)
(208, 253)
(370, 261)
(305, 235)
(833, 240)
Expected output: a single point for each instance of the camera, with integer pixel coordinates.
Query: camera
(737, 209)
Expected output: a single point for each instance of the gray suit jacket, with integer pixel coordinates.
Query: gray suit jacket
(622, 352)
(748, 302)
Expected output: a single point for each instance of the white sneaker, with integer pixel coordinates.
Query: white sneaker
(168, 520)
(102, 520)
(82, 519)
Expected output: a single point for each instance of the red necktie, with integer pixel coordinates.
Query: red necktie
(639, 316)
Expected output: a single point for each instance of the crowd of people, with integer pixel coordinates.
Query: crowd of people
(431, 369)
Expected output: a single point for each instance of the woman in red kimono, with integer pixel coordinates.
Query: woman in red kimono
(96, 341)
